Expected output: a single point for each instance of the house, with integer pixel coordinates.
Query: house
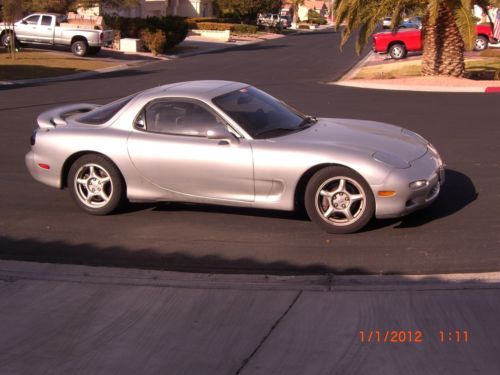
(322, 7)
(155, 8)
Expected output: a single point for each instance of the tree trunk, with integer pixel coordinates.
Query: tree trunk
(443, 46)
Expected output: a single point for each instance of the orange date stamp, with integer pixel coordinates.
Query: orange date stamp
(412, 336)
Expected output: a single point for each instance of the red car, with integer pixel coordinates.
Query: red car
(398, 44)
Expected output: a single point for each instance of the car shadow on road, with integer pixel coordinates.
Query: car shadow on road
(457, 192)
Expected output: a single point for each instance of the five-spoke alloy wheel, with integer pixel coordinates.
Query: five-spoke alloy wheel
(96, 184)
(339, 200)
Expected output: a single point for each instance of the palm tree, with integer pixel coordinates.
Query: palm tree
(448, 28)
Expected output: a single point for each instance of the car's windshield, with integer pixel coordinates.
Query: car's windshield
(261, 115)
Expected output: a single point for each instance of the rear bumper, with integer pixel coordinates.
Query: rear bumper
(45, 176)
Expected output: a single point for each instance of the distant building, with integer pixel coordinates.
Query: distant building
(155, 8)
(322, 7)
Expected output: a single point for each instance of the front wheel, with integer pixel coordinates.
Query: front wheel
(339, 200)
(96, 184)
(80, 48)
(481, 43)
(397, 51)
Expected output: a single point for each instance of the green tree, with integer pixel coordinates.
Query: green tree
(10, 11)
(247, 10)
(448, 28)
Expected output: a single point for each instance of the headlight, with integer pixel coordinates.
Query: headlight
(418, 184)
(390, 160)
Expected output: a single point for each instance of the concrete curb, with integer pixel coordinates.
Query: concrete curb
(396, 87)
(118, 67)
(73, 76)
(13, 271)
(346, 80)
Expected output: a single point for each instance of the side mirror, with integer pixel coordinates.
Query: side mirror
(24, 22)
(140, 123)
(222, 134)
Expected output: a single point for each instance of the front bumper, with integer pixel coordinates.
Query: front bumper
(407, 200)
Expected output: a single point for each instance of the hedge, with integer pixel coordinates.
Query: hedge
(175, 28)
(317, 21)
(234, 27)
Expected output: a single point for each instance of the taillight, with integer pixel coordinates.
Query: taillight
(33, 137)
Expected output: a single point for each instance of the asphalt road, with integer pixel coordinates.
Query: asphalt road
(459, 233)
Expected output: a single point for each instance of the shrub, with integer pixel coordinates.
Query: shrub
(193, 21)
(219, 26)
(244, 29)
(233, 27)
(317, 21)
(303, 26)
(174, 28)
(154, 41)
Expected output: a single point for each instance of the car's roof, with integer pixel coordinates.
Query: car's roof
(204, 90)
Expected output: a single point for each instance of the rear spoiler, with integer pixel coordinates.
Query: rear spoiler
(57, 116)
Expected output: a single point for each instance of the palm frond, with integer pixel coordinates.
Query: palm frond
(466, 23)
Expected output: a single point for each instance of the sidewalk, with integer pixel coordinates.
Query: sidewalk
(60, 319)
(191, 46)
(429, 84)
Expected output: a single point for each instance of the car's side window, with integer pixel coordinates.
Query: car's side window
(179, 118)
(46, 21)
(33, 20)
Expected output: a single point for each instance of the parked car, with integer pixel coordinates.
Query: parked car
(398, 44)
(52, 29)
(273, 20)
(228, 143)
(411, 23)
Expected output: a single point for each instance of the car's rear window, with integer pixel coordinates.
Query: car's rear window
(104, 113)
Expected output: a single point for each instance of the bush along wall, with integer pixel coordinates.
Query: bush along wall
(174, 28)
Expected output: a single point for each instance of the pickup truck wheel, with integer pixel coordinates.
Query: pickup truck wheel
(80, 48)
(5, 41)
(398, 51)
(481, 43)
(94, 50)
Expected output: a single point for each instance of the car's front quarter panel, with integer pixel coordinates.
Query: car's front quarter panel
(279, 166)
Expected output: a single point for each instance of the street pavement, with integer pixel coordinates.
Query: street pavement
(58, 319)
(459, 233)
(80, 317)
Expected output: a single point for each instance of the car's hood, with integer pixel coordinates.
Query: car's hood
(363, 136)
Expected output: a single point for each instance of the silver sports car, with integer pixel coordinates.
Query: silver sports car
(228, 143)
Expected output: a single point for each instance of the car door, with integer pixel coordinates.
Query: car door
(26, 29)
(170, 148)
(45, 29)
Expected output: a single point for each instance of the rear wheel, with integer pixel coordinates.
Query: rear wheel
(96, 184)
(339, 200)
(481, 43)
(398, 51)
(80, 48)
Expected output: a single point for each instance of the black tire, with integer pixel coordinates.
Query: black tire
(481, 43)
(355, 198)
(398, 51)
(96, 184)
(80, 48)
(5, 40)
(94, 50)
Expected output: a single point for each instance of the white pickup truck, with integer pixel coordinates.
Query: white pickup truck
(54, 29)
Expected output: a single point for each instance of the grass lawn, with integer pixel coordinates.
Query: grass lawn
(36, 64)
(403, 69)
